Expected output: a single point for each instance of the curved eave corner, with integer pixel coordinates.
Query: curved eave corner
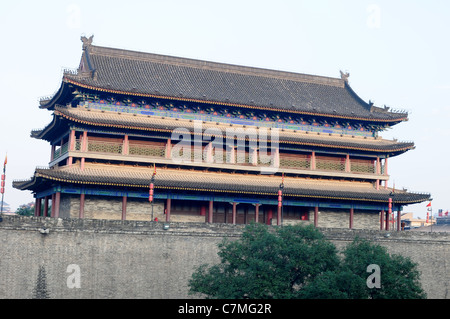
(49, 103)
(396, 117)
(41, 133)
(24, 184)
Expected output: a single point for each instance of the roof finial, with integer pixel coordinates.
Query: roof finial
(344, 76)
(86, 42)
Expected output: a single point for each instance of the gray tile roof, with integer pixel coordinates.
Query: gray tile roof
(140, 122)
(138, 73)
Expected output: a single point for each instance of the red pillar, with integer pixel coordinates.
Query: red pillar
(202, 210)
(124, 207)
(82, 198)
(388, 217)
(46, 206)
(71, 146)
(168, 204)
(276, 161)
(378, 166)
(52, 213)
(382, 220)
(84, 142)
(84, 148)
(57, 203)
(210, 211)
(385, 172)
(37, 207)
(169, 148)
(269, 216)
(125, 145)
(351, 218)
(234, 213)
(256, 213)
(72, 140)
(399, 217)
(378, 171)
(386, 221)
(313, 160)
(316, 216)
(347, 163)
(386, 166)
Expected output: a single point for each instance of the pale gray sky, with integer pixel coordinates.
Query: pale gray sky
(397, 54)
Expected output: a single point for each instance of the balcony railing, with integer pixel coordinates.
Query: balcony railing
(60, 151)
(159, 151)
(328, 165)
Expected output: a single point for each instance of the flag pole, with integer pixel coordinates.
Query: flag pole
(2, 188)
(431, 213)
(430, 209)
(152, 181)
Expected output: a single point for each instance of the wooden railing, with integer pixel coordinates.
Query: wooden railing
(146, 150)
(159, 151)
(60, 151)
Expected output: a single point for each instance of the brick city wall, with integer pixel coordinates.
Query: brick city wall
(136, 259)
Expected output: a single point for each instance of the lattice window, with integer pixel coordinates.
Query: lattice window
(330, 165)
(78, 145)
(147, 150)
(363, 168)
(105, 147)
(290, 162)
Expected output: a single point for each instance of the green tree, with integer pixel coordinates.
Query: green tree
(40, 291)
(298, 262)
(26, 210)
(341, 284)
(266, 263)
(399, 276)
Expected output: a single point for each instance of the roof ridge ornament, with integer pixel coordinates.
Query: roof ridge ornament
(344, 76)
(87, 42)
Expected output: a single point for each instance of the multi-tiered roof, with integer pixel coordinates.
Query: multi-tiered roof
(249, 96)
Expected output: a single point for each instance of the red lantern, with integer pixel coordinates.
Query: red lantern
(279, 198)
(150, 197)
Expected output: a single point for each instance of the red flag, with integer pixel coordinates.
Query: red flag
(429, 204)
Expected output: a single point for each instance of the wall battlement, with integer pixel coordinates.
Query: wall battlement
(139, 259)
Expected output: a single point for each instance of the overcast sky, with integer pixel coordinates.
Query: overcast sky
(397, 54)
